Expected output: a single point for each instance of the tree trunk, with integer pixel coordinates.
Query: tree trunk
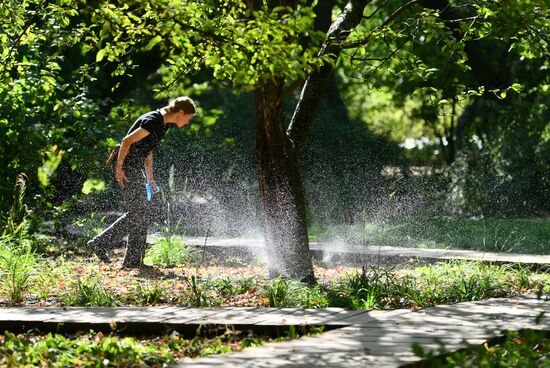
(281, 191)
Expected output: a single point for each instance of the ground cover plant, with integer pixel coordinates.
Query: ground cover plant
(94, 349)
(525, 348)
(86, 282)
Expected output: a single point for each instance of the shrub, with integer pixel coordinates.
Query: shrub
(169, 251)
(89, 292)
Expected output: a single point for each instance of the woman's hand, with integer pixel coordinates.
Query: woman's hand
(154, 185)
(120, 176)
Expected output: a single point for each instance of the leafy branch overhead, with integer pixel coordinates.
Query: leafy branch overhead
(61, 61)
(241, 45)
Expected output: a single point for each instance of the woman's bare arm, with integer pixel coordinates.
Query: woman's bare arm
(125, 145)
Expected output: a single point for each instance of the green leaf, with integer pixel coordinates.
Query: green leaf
(517, 87)
(100, 55)
(417, 350)
(152, 43)
(49, 80)
(92, 185)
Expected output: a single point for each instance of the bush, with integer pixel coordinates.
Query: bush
(169, 251)
(506, 173)
(526, 348)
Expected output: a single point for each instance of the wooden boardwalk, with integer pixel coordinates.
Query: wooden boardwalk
(375, 338)
(384, 339)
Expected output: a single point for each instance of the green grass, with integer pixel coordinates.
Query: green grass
(422, 287)
(530, 236)
(82, 284)
(89, 292)
(169, 251)
(17, 265)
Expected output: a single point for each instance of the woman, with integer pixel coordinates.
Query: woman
(134, 168)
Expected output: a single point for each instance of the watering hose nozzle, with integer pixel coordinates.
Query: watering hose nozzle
(149, 190)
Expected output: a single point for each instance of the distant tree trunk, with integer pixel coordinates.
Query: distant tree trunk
(281, 190)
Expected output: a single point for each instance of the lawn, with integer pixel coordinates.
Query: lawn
(529, 236)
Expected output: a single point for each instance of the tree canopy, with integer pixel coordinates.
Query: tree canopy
(65, 63)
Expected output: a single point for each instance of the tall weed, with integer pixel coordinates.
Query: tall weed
(147, 293)
(17, 258)
(278, 291)
(17, 267)
(169, 251)
(199, 293)
(89, 292)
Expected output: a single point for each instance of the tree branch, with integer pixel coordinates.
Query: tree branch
(32, 21)
(309, 101)
(394, 15)
(376, 11)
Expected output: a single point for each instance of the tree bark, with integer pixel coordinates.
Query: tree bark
(281, 190)
(280, 182)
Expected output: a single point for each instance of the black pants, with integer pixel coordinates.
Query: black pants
(133, 223)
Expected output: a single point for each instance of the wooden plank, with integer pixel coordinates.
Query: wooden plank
(374, 316)
(26, 314)
(108, 315)
(234, 316)
(369, 334)
(293, 316)
(193, 316)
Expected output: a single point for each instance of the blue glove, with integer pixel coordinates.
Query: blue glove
(149, 190)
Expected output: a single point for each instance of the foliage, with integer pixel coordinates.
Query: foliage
(89, 292)
(504, 174)
(98, 350)
(169, 251)
(238, 43)
(528, 236)
(436, 79)
(440, 55)
(48, 113)
(525, 348)
(90, 350)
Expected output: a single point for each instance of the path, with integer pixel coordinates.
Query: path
(379, 338)
(358, 255)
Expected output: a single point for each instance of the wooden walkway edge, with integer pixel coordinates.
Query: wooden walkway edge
(375, 338)
(385, 338)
